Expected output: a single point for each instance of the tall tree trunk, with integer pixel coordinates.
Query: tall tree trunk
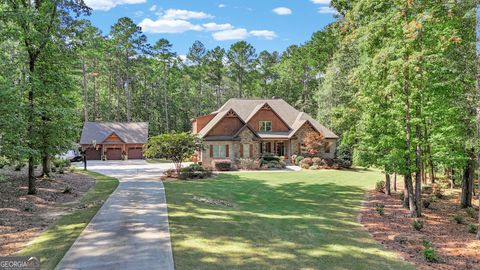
(387, 184)
(85, 91)
(110, 96)
(94, 92)
(467, 183)
(31, 119)
(408, 131)
(432, 172)
(395, 182)
(127, 90)
(478, 108)
(165, 97)
(418, 174)
(406, 194)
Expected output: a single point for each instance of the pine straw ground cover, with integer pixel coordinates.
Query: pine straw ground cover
(22, 216)
(46, 224)
(455, 246)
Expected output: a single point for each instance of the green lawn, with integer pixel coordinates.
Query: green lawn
(279, 220)
(51, 245)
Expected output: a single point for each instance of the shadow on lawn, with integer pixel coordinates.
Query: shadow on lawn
(289, 225)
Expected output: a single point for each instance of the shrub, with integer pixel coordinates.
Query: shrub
(307, 161)
(328, 161)
(429, 252)
(380, 186)
(222, 164)
(294, 159)
(299, 159)
(304, 166)
(274, 165)
(248, 164)
(195, 174)
(59, 163)
(3, 178)
(458, 219)
(471, 212)
(192, 168)
(380, 207)
(472, 228)
(269, 157)
(317, 161)
(417, 224)
(426, 202)
(314, 167)
(3, 162)
(170, 173)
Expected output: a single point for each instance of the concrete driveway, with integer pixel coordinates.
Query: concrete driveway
(130, 231)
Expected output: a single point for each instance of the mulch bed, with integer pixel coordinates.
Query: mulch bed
(456, 247)
(23, 217)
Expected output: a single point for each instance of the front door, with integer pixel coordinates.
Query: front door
(280, 149)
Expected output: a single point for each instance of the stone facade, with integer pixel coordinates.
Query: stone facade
(298, 139)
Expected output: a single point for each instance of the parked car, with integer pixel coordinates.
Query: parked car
(72, 155)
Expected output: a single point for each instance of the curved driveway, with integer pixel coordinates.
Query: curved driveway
(130, 231)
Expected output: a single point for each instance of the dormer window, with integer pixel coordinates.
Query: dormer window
(265, 126)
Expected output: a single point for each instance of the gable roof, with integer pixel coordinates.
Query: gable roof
(246, 108)
(133, 132)
(215, 120)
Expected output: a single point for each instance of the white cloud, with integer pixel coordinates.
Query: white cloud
(321, 2)
(153, 8)
(327, 10)
(221, 6)
(109, 4)
(168, 26)
(282, 11)
(266, 34)
(217, 27)
(183, 14)
(231, 34)
(242, 33)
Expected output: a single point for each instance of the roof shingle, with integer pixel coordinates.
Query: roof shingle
(133, 132)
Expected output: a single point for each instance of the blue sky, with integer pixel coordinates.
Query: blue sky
(266, 24)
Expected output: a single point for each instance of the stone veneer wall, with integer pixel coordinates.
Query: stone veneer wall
(299, 137)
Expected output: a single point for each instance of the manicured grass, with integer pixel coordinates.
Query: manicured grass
(279, 220)
(51, 245)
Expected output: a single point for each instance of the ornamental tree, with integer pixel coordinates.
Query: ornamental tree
(176, 147)
(313, 142)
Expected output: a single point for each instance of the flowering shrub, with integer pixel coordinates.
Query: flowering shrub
(222, 164)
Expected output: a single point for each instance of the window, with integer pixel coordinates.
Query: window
(219, 151)
(266, 147)
(246, 150)
(327, 147)
(265, 126)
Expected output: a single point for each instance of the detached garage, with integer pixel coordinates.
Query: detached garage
(114, 140)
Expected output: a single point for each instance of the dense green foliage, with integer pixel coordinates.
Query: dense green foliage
(176, 147)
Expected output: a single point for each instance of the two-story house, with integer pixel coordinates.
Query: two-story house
(247, 128)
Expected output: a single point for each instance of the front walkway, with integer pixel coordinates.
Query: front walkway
(130, 231)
